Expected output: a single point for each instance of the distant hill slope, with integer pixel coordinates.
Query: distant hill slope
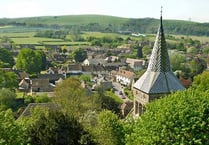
(110, 24)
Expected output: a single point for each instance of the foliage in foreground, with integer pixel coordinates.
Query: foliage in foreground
(11, 133)
(46, 127)
(180, 118)
(201, 81)
(109, 129)
(74, 99)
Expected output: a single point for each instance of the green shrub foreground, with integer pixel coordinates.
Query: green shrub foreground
(180, 118)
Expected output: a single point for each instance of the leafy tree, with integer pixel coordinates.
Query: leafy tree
(52, 34)
(180, 47)
(79, 55)
(201, 81)
(197, 66)
(74, 99)
(64, 49)
(205, 50)
(109, 130)
(192, 50)
(107, 102)
(180, 118)
(41, 57)
(7, 99)
(96, 42)
(42, 99)
(146, 50)
(6, 58)
(31, 61)
(139, 50)
(11, 133)
(178, 61)
(8, 80)
(47, 126)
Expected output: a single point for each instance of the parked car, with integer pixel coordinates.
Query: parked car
(123, 97)
(120, 93)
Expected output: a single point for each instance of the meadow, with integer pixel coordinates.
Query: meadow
(26, 36)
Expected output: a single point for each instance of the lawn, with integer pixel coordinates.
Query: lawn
(34, 40)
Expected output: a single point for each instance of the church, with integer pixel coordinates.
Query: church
(158, 80)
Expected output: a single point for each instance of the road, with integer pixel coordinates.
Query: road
(119, 91)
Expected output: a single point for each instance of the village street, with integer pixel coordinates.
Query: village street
(119, 91)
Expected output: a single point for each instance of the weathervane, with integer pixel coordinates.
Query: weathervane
(161, 11)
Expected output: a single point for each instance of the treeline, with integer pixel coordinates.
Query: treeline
(113, 24)
(52, 34)
(77, 117)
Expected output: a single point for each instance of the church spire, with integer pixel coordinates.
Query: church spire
(161, 17)
(159, 61)
(159, 78)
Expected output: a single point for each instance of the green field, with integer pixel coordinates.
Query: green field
(28, 38)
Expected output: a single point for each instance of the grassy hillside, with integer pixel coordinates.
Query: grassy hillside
(103, 23)
(68, 20)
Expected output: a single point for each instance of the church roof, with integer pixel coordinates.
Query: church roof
(159, 77)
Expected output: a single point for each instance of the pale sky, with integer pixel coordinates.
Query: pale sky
(195, 10)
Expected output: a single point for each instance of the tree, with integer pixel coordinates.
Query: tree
(7, 99)
(74, 99)
(109, 130)
(139, 52)
(64, 49)
(192, 50)
(48, 126)
(11, 132)
(197, 66)
(6, 58)
(179, 118)
(75, 33)
(8, 80)
(178, 61)
(79, 55)
(201, 81)
(31, 61)
(146, 50)
(180, 47)
(41, 57)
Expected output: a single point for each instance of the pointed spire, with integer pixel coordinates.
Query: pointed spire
(161, 13)
(159, 78)
(159, 61)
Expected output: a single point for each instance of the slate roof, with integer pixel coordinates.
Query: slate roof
(159, 77)
(51, 106)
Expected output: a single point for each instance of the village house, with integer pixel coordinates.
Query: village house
(136, 64)
(88, 62)
(74, 69)
(93, 69)
(114, 66)
(125, 77)
(112, 59)
(43, 83)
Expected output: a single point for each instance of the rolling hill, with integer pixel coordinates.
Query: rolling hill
(105, 24)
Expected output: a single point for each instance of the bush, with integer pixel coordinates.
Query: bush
(42, 99)
(180, 118)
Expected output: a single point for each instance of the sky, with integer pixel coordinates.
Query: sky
(194, 10)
